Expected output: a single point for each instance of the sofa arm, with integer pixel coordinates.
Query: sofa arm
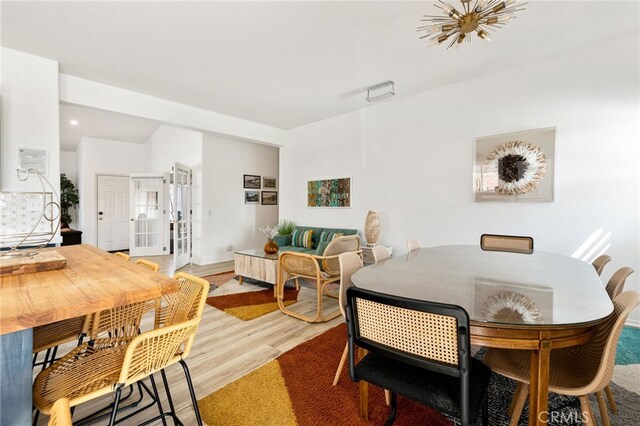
(283, 240)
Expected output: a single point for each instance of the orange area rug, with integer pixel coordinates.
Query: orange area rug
(251, 304)
(296, 389)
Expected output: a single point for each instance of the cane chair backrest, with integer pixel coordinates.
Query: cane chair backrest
(509, 243)
(616, 282)
(337, 246)
(148, 264)
(431, 335)
(600, 262)
(413, 245)
(302, 264)
(380, 254)
(350, 263)
(123, 256)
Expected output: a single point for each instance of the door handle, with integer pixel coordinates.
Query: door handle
(132, 220)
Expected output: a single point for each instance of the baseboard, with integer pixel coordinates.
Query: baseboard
(632, 323)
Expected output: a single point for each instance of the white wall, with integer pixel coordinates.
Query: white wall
(411, 158)
(229, 223)
(101, 156)
(168, 145)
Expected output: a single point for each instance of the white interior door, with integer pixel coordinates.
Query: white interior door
(146, 221)
(113, 212)
(181, 203)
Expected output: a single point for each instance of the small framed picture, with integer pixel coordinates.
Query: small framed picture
(251, 197)
(252, 181)
(269, 182)
(269, 198)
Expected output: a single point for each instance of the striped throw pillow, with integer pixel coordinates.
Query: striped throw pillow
(302, 238)
(329, 236)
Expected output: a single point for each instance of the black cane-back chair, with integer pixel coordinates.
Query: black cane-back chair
(417, 349)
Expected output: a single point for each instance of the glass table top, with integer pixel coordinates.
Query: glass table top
(495, 287)
(258, 253)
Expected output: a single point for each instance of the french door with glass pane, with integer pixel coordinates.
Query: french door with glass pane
(146, 221)
(181, 208)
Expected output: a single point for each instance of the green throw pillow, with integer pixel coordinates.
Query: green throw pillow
(329, 236)
(302, 238)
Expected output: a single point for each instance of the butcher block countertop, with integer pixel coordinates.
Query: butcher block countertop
(93, 280)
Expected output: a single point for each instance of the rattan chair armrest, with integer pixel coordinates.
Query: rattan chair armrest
(326, 265)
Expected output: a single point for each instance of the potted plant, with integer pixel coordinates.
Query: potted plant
(68, 199)
(286, 227)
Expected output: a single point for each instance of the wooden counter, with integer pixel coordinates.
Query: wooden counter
(93, 280)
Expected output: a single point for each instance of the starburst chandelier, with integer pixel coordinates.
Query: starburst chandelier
(479, 16)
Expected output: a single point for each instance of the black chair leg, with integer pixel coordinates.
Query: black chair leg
(168, 391)
(114, 410)
(35, 417)
(194, 401)
(394, 409)
(160, 409)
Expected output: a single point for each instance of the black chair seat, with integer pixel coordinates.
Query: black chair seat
(436, 390)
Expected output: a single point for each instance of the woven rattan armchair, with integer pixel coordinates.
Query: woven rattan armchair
(123, 256)
(105, 365)
(413, 245)
(616, 282)
(323, 269)
(418, 349)
(510, 243)
(148, 264)
(575, 371)
(350, 263)
(380, 254)
(60, 413)
(600, 262)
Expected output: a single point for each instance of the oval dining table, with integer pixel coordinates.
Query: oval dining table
(536, 302)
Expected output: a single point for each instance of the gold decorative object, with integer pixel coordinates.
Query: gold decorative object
(480, 16)
(372, 227)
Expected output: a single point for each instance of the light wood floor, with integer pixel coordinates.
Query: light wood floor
(225, 348)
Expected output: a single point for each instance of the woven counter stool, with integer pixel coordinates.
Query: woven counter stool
(107, 365)
(148, 264)
(123, 256)
(574, 371)
(49, 336)
(60, 413)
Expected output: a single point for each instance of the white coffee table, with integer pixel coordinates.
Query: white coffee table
(258, 265)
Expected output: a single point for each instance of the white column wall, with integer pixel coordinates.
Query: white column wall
(30, 117)
(411, 158)
(168, 145)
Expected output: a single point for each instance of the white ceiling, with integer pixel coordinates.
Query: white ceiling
(286, 64)
(101, 124)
